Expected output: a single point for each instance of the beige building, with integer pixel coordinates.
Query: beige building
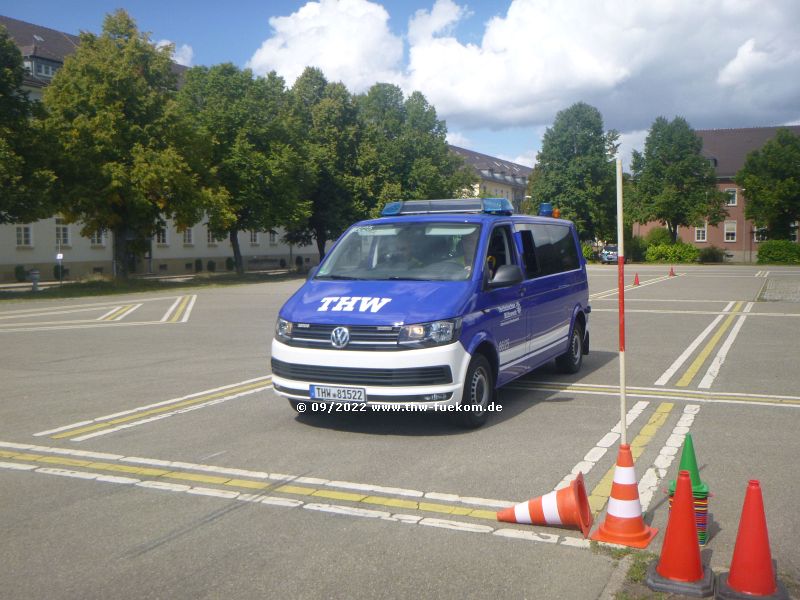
(498, 178)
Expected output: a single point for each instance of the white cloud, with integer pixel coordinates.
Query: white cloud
(718, 63)
(628, 142)
(182, 54)
(458, 139)
(349, 40)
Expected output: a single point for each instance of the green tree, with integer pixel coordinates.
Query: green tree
(323, 119)
(25, 180)
(403, 152)
(574, 171)
(122, 161)
(771, 180)
(672, 182)
(248, 156)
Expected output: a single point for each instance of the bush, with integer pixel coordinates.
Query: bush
(588, 252)
(657, 237)
(211, 266)
(673, 253)
(20, 274)
(712, 254)
(283, 263)
(59, 272)
(635, 249)
(778, 252)
(229, 263)
(198, 265)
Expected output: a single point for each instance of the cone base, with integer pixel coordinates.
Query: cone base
(640, 539)
(726, 592)
(701, 588)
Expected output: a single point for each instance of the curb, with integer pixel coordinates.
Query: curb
(617, 579)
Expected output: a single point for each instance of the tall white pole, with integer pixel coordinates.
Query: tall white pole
(621, 287)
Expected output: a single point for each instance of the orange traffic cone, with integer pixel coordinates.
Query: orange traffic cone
(679, 569)
(568, 507)
(671, 272)
(624, 524)
(636, 279)
(752, 574)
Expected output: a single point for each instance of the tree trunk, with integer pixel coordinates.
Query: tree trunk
(120, 268)
(320, 237)
(673, 232)
(237, 252)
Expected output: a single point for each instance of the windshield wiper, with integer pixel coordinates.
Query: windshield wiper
(399, 278)
(347, 277)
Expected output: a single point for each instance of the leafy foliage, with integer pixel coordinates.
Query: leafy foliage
(771, 179)
(247, 153)
(574, 171)
(25, 179)
(673, 183)
(678, 252)
(122, 163)
(778, 252)
(711, 254)
(656, 236)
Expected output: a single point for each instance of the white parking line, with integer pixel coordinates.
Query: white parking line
(665, 377)
(719, 359)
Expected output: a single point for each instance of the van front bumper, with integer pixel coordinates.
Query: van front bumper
(426, 377)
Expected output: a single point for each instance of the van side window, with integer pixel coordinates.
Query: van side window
(529, 254)
(564, 247)
(499, 250)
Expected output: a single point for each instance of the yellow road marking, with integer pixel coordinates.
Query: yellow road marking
(602, 491)
(249, 484)
(709, 347)
(179, 311)
(159, 410)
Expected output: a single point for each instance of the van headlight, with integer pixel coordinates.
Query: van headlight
(435, 333)
(283, 329)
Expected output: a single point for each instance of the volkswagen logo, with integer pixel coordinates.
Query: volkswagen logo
(340, 337)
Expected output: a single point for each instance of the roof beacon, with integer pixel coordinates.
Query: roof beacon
(489, 206)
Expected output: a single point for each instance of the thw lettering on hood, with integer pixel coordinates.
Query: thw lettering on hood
(351, 303)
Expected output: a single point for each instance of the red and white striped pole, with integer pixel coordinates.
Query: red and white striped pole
(621, 287)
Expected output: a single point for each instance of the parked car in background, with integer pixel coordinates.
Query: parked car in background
(608, 255)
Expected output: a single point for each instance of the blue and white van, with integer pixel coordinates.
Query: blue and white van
(434, 306)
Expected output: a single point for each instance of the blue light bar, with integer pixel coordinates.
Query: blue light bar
(490, 206)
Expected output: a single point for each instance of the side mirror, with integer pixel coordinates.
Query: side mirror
(506, 275)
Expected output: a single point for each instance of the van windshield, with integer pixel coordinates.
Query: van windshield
(404, 251)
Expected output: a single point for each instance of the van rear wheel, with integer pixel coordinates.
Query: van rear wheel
(570, 362)
(477, 395)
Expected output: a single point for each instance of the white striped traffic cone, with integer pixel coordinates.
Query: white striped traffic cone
(568, 507)
(624, 524)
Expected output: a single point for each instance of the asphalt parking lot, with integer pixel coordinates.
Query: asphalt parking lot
(144, 454)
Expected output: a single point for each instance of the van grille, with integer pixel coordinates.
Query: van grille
(352, 376)
(362, 337)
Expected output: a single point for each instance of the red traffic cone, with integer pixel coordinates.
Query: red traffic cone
(636, 279)
(567, 507)
(679, 569)
(752, 574)
(624, 524)
(671, 272)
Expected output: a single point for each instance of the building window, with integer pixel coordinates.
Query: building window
(254, 238)
(24, 236)
(188, 237)
(98, 238)
(62, 233)
(760, 234)
(212, 239)
(161, 236)
(793, 231)
(273, 238)
(731, 199)
(700, 233)
(730, 231)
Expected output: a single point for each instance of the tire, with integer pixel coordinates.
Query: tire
(570, 362)
(478, 391)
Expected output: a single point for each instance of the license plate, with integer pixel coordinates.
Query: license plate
(337, 393)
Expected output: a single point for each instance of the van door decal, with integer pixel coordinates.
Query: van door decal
(349, 303)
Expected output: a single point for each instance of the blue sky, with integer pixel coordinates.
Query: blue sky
(498, 72)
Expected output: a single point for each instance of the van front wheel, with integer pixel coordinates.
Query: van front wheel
(570, 362)
(478, 393)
